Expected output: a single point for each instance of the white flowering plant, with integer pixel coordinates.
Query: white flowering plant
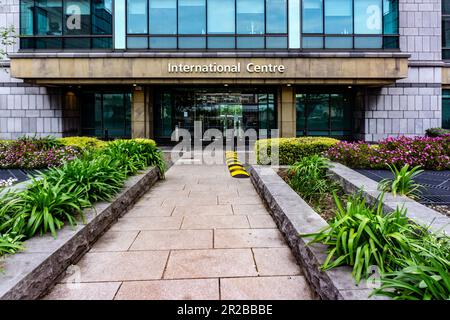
(7, 183)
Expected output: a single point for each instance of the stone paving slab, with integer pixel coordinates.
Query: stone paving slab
(147, 223)
(140, 211)
(248, 238)
(265, 288)
(120, 266)
(115, 241)
(173, 240)
(195, 289)
(200, 234)
(84, 291)
(210, 264)
(215, 222)
(219, 210)
(276, 261)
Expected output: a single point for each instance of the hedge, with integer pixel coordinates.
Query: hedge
(292, 149)
(437, 132)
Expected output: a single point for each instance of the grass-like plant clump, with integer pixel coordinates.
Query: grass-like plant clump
(403, 183)
(308, 177)
(413, 263)
(59, 195)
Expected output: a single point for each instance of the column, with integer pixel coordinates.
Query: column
(287, 114)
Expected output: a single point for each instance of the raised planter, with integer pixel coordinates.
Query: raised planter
(353, 181)
(294, 216)
(30, 273)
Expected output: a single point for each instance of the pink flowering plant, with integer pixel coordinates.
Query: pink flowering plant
(426, 152)
(28, 154)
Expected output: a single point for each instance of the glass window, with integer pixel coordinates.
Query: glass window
(163, 42)
(77, 17)
(119, 24)
(312, 16)
(221, 15)
(102, 17)
(163, 16)
(250, 16)
(276, 14)
(445, 7)
(106, 114)
(368, 18)
(446, 109)
(323, 114)
(294, 24)
(338, 42)
(191, 17)
(250, 42)
(276, 42)
(390, 16)
(137, 16)
(312, 42)
(221, 42)
(137, 42)
(369, 42)
(102, 43)
(192, 42)
(338, 17)
(49, 17)
(26, 17)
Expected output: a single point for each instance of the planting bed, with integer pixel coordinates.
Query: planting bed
(30, 273)
(294, 216)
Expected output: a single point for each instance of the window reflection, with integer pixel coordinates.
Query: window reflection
(137, 16)
(250, 16)
(46, 19)
(192, 17)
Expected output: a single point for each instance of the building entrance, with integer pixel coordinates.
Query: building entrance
(219, 109)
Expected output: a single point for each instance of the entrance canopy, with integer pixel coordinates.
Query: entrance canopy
(377, 68)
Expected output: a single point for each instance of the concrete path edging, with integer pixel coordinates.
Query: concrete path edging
(294, 216)
(352, 181)
(29, 274)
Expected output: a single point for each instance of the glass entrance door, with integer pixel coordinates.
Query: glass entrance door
(215, 108)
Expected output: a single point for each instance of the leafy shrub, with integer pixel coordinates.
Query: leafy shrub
(437, 132)
(83, 143)
(292, 150)
(308, 177)
(428, 153)
(99, 178)
(43, 143)
(403, 182)
(136, 154)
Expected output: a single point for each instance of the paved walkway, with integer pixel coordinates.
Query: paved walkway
(200, 234)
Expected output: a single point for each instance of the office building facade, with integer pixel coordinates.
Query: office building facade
(353, 69)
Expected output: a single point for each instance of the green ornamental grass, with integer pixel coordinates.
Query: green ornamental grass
(403, 183)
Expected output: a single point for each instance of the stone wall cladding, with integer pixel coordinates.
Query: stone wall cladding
(411, 105)
(26, 109)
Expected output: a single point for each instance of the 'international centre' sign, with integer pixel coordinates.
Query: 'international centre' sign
(225, 68)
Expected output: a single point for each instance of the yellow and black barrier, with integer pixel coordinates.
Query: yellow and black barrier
(235, 167)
